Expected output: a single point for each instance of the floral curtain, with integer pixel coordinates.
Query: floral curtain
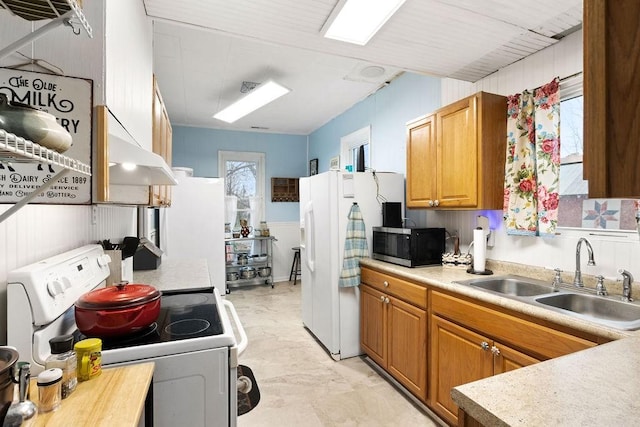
(532, 167)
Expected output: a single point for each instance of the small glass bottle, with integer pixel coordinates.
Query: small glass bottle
(49, 389)
(64, 357)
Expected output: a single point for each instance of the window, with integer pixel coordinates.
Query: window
(350, 147)
(575, 208)
(244, 186)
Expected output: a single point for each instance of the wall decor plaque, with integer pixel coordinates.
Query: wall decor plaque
(70, 100)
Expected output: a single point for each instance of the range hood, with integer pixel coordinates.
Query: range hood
(129, 163)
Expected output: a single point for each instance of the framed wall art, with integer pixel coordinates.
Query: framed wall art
(313, 167)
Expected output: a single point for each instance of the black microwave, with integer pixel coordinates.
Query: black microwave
(411, 247)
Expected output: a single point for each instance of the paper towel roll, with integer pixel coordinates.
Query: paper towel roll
(479, 250)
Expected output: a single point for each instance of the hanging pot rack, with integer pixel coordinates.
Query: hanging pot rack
(15, 149)
(61, 12)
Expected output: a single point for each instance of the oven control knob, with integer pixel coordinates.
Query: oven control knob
(66, 283)
(103, 260)
(55, 288)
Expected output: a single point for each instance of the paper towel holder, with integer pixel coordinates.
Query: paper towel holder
(470, 270)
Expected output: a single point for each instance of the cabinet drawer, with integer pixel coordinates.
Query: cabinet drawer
(407, 291)
(531, 337)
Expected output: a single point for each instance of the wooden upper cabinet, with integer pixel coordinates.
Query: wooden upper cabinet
(456, 155)
(611, 31)
(421, 168)
(160, 195)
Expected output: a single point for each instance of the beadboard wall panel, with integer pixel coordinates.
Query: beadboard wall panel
(36, 232)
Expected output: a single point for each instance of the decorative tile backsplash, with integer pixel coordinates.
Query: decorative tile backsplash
(601, 213)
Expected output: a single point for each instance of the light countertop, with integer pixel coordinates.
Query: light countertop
(176, 274)
(442, 278)
(594, 387)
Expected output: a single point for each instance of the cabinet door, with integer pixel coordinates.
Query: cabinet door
(611, 93)
(407, 346)
(458, 356)
(160, 195)
(457, 172)
(373, 324)
(507, 359)
(421, 163)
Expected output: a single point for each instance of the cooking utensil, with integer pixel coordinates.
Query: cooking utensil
(33, 124)
(8, 358)
(24, 411)
(264, 271)
(117, 310)
(243, 259)
(247, 272)
(129, 246)
(232, 276)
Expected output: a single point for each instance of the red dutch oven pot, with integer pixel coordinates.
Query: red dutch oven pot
(117, 310)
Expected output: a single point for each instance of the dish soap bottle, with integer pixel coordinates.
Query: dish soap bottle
(64, 357)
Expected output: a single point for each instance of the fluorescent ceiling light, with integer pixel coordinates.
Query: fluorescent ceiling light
(356, 21)
(258, 97)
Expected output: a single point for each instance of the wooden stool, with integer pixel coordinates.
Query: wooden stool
(295, 266)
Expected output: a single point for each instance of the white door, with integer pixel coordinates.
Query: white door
(306, 257)
(320, 248)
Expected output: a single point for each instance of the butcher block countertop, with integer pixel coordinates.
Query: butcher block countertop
(115, 398)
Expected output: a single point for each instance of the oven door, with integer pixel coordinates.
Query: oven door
(193, 389)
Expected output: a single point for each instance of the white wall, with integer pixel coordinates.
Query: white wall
(612, 250)
(288, 236)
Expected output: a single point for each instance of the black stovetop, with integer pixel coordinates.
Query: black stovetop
(183, 315)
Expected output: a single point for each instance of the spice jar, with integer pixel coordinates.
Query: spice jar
(63, 357)
(265, 228)
(49, 389)
(89, 353)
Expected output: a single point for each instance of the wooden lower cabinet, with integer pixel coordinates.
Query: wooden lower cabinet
(394, 334)
(431, 340)
(459, 356)
(373, 325)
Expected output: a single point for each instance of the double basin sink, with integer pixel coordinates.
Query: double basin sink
(606, 311)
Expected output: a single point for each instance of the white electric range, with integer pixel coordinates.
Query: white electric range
(192, 343)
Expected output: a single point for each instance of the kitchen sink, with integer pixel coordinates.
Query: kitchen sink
(605, 311)
(510, 285)
(618, 314)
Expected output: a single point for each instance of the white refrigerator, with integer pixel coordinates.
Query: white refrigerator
(331, 313)
(194, 224)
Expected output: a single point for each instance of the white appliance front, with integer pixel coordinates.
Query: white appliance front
(194, 225)
(193, 389)
(329, 312)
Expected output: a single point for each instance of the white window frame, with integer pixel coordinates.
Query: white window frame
(246, 156)
(355, 140)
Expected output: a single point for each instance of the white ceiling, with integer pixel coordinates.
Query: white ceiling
(204, 50)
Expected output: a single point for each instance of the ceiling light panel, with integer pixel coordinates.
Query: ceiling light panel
(259, 97)
(356, 21)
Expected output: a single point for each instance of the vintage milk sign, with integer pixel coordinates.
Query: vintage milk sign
(70, 100)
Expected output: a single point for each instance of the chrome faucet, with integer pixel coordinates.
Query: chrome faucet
(577, 280)
(627, 281)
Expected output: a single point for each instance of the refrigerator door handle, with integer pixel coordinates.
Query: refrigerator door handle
(309, 237)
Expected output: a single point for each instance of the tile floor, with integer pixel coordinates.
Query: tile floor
(300, 384)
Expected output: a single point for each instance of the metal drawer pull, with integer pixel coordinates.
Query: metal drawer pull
(386, 284)
(484, 345)
(495, 350)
